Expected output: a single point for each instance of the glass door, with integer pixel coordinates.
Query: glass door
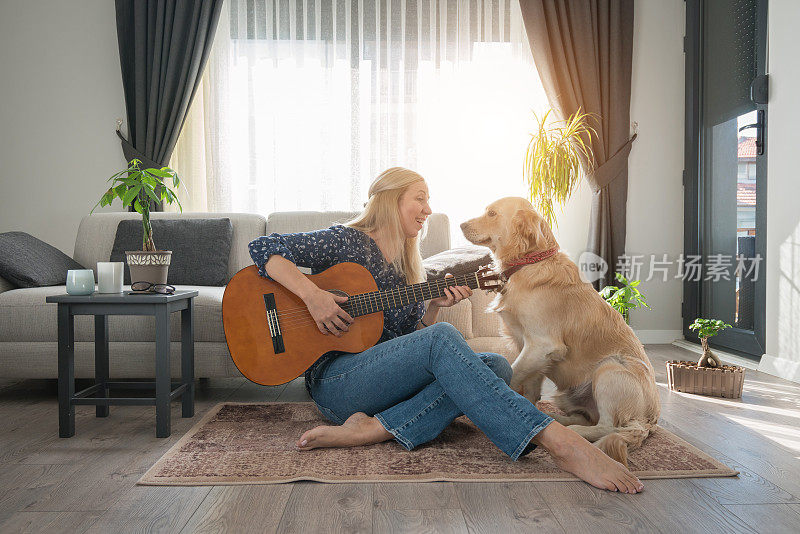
(728, 161)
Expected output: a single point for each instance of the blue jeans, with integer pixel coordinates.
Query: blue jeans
(417, 384)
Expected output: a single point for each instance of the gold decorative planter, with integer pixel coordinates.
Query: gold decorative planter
(149, 266)
(687, 377)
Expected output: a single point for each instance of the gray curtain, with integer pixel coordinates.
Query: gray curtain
(163, 48)
(583, 50)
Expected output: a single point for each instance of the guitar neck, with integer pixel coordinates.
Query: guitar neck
(374, 301)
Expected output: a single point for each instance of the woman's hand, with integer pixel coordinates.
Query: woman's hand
(453, 295)
(324, 308)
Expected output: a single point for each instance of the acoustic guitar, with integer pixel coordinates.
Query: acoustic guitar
(273, 338)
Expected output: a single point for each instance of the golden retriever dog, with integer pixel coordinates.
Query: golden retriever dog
(564, 330)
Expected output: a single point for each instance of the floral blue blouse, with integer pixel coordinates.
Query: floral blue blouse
(321, 249)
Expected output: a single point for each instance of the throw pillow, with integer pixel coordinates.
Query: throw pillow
(200, 248)
(26, 261)
(458, 260)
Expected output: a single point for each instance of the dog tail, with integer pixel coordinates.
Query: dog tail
(618, 443)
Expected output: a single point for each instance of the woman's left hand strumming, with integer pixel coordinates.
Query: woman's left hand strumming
(453, 295)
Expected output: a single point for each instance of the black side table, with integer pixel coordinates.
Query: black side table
(101, 305)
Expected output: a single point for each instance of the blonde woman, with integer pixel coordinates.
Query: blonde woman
(421, 374)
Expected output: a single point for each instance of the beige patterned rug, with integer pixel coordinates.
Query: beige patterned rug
(253, 443)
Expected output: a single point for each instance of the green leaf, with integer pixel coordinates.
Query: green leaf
(130, 195)
(138, 207)
(168, 173)
(130, 182)
(152, 182)
(152, 194)
(120, 173)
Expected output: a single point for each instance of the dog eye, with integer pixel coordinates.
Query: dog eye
(491, 213)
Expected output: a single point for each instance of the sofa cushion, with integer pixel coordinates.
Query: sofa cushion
(484, 323)
(25, 316)
(26, 261)
(458, 315)
(96, 234)
(5, 285)
(457, 260)
(200, 248)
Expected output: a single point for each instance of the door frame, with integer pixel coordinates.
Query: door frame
(749, 344)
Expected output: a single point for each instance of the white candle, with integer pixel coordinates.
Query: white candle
(109, 276)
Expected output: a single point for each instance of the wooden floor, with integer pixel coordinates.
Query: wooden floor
(87, 483)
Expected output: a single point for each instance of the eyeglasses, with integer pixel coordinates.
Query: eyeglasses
(164, 289)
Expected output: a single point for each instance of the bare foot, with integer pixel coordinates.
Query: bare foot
(359, 429)
(571, 452)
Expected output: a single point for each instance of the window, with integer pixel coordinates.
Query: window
(304, 102)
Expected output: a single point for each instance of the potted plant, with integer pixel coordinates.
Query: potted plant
(624, 298)
(136, 186)
(552, 165)
(708, 376)
(705, 329)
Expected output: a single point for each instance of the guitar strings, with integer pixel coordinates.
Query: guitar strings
(302, 316)
(369, 299)
(288, 320)
(366, 303)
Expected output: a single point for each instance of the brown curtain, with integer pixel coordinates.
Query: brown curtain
(582, 50)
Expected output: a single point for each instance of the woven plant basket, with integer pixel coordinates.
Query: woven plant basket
(687, 377)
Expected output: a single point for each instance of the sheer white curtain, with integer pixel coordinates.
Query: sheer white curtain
(304, 101)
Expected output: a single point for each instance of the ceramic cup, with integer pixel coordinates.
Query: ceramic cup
(80, 281)
(109, 276)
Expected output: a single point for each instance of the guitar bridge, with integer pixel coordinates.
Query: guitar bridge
(274, 323)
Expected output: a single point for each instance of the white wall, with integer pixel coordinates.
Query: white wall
(60, 96)
(655, 190)
(782, 356)
(655, 168)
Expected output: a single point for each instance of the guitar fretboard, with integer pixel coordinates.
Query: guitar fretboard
(375, 301)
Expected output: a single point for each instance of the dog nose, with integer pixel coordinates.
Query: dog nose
(464, 226)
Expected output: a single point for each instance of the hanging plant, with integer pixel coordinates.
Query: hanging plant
(552, 167)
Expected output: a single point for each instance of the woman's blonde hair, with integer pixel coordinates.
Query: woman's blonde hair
(381, 215)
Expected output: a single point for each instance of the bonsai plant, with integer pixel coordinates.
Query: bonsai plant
(705, 329)
(552, 165)
(624, 298)
(136, 186)
(708, 376)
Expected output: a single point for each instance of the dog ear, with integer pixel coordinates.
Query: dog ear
(526, 232)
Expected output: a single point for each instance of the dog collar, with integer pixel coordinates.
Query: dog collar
(536, 257)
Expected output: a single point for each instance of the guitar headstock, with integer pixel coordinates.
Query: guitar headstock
(488, 278)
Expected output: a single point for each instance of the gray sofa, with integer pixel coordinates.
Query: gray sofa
(28, 346)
